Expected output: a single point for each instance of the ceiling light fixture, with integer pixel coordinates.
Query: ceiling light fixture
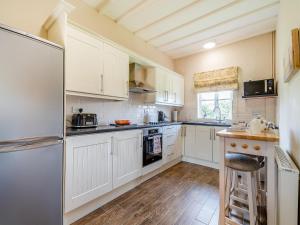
(209, 45)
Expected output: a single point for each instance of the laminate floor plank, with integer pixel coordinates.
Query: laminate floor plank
(185, 194)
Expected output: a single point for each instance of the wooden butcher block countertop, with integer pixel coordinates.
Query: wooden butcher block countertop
(245, 135)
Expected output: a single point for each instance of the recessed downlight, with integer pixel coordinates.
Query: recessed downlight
(209, 45)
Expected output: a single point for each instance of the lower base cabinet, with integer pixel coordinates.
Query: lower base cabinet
(171, 143)
(201, 143)
(127, 157)
(99, 163)
(88, 169)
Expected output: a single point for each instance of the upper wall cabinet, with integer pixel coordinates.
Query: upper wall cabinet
(169, 86)
(95, 68)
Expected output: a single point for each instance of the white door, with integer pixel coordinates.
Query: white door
(127, 157)
(123, 71)
(170, 88)
(84, 56)
(160, 80)
(189, 141)
(88, 169)
(216, 145)
(178, 84)
(203, 144)
(115, 72)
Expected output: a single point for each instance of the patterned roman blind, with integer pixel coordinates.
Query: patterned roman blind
(217, 80)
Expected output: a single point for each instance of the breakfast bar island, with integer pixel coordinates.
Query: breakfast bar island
(246, 189)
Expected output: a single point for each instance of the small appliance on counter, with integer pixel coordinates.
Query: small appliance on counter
(174, 116)
(84, 120)
(162, 116)
(259, 88)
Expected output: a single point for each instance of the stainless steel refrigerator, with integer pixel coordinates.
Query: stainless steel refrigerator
(31, 130)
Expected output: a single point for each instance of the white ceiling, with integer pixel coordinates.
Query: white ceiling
(180, 27)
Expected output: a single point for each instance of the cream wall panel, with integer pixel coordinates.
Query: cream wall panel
(252, 65)
(90, 19)
(29, 15)
(288, 104)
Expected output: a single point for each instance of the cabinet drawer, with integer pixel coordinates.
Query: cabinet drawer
(170, 129)
(245, 146)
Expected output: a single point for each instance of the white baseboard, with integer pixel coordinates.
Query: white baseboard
(200, 162)
(82, 211)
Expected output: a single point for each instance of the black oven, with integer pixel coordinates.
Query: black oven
(152, 145)
(259, 87)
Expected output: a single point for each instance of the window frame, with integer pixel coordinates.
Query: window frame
(216, 100)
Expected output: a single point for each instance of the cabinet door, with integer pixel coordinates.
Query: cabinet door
(198, 142)
(203, 148)
(115, 72)
(127, 157)
(160, 83)
(84, 55)
(216, 144)
(88, 169)
(189, 141)
(123, 71)
(178, 84)
(170, 88)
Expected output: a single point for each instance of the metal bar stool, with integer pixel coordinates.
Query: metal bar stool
(241, 163)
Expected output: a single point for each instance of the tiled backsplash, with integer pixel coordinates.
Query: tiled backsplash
(108, 110)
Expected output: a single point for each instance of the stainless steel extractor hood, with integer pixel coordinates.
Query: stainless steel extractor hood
(137, 80)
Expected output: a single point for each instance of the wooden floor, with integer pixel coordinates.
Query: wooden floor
(185, 194)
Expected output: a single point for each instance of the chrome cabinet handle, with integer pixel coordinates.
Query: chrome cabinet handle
(214, 133)
(102, 83)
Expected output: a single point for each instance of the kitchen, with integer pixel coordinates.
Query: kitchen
(157, 112)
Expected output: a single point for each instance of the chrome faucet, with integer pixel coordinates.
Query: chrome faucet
(217, 110)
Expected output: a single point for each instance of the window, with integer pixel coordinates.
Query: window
(215, 105)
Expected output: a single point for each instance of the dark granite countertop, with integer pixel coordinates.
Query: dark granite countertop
(110, 128)
(214, 124)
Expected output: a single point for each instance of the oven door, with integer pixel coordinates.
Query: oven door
(150, 153)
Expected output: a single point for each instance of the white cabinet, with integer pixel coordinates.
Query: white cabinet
(178, 90)
(169, 86)
(216, 144)
(84, 55)
(171, 143)
(127, 157)
(115, 72)
(95, 67)
(201, 143)
(197, 142)
(88, 169)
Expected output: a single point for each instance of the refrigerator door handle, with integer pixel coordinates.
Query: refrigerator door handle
(30, 143)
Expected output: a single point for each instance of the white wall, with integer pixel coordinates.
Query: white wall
(254, 59)
(108, 111)
(289, 93)
(30, 16)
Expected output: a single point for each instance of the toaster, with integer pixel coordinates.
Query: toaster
(84, 120)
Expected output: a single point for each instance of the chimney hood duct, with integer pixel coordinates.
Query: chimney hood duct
(137, 80)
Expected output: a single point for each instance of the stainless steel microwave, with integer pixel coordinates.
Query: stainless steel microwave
(259, 88)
